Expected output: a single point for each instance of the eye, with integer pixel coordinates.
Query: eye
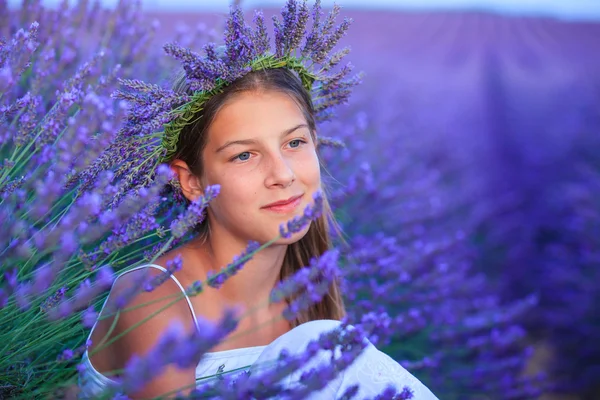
(296, 143)
(242, 156)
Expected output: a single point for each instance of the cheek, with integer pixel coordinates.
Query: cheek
(237, 191)
(308, 168)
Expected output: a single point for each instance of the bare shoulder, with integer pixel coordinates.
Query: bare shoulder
(138, 326)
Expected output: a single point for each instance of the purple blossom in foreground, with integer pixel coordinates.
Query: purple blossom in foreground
(84, 294)
(266, 380)
(339, 348)
(350, 393)
(173, 266)
(176, 347)
(70, 354)
(298, 223)
(309, 285)
(195, 212)
(216, 279)
(142, 280)
(66, 355)
(391, 393)
(141, 223)
(140, 370)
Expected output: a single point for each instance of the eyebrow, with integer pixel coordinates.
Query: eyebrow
(253, 141)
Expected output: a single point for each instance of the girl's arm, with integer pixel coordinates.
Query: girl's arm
(143, 338)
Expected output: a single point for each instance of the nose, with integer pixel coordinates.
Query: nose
(279, 172)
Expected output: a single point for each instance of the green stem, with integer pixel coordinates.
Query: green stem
(111, 329)
(56, 204)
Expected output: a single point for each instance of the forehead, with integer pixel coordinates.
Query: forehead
(255, 114)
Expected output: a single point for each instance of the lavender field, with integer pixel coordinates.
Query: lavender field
(467, 189)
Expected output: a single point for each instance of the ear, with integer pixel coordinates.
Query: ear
(190, 183)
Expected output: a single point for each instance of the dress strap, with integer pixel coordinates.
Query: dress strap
(162, 269)
(180, 287)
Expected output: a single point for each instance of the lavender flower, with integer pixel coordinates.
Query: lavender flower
(54, 299)
(309, 285)
(298, 223)
(84, 294)
(215, 280)
(175, 347)
(172, 267)
(195, 212)
(350, 393)
(89, 317)
(391, 393)
(267, 380)
(66, 355)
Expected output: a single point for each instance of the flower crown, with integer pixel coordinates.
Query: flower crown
(157, 115)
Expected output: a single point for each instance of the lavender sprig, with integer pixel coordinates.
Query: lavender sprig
(195, 212)
(84, 294)
(175, 347)
(173, 266)
(216, 279)
(309, 285)
(297, 224)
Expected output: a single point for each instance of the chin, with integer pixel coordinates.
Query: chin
(294, 238)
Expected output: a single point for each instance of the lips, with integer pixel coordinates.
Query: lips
(284, 206)
(283, 202)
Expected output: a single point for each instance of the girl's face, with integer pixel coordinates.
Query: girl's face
(260, 151)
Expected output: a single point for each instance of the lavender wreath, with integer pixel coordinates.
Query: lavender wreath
(156, 115)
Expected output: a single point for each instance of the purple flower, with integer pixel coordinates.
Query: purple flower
(264, 381)
(22, 296)
(89, 317)
(44, 277)
(11, 277)
(298, 223)
(66, 355)
(350, 392)
(105, 276)
(54, 299)
(309, 285)
(194, 213)
(203, 339)
(84, 294)
(216, 279)
(174, 346)
(173, 266)
(392, 393)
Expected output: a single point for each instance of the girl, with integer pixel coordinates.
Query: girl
(257, 139)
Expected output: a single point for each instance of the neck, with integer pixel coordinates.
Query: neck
(250, 286)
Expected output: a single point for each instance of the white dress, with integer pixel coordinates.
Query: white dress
(373, 369)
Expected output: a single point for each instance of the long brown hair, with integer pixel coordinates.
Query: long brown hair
(193, 139)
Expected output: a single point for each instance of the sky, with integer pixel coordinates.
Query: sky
(561, 9)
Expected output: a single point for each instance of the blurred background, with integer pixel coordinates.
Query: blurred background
(479, 117)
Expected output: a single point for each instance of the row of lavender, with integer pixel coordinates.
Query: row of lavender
(510, 105)
(411, 269)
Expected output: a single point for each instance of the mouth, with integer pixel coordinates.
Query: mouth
(284, 206)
